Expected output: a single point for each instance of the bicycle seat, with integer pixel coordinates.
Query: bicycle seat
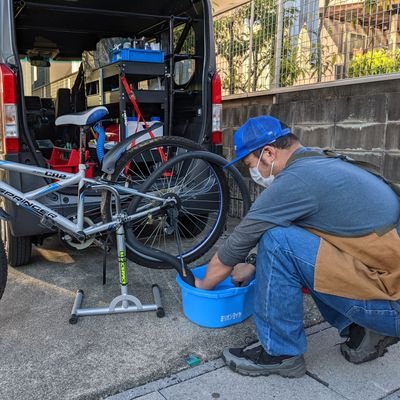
(83, 118)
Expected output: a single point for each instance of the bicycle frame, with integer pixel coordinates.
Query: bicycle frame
(64, 179)
(123, 303)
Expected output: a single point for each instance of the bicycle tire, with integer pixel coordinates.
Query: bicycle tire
(181, 146)
(195, 166)
(3, 269)
(237, 178)
(141, 154)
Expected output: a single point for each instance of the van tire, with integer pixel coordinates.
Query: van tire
(17, 248)
(3, 269)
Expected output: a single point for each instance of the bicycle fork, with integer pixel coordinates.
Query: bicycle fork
(124, 303)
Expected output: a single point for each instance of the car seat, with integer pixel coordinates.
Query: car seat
(64, 134)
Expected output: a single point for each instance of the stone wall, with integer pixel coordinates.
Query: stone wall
(361, 120)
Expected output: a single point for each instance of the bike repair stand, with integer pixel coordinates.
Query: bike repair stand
(124, 303)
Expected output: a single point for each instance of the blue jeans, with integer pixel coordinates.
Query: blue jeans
(285, 263)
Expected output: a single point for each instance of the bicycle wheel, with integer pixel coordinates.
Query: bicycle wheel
(139, 162)
(202, 198)
(133, 169)
(3, 269)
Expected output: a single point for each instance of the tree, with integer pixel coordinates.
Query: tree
(246, 40)
(231, 45)
(249, 59)
(232, 40)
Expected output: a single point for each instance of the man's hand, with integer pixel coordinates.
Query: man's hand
(242, 274)
(216, 273)
(198, 283)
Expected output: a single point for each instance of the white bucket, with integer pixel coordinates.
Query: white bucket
(134, 126)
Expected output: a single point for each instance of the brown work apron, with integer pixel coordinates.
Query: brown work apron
(363, 268)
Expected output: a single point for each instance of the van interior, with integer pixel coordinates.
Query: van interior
(74, 53)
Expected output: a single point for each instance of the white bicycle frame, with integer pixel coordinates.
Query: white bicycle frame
(124, 303)
(48, 216)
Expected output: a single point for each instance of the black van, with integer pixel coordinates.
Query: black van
(180, 86)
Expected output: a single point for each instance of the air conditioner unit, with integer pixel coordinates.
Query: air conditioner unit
(355, 42)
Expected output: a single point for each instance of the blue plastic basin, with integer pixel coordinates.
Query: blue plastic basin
(224, 306)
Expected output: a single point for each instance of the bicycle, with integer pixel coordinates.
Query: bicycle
(180, 182)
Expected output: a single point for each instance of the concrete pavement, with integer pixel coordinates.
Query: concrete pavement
(44, 357)
(140, 356)
(329, 377)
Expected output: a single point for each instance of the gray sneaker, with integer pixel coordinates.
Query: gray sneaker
(365, 345)
(256, 361)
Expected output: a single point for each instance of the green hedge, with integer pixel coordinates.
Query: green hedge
(374, 62)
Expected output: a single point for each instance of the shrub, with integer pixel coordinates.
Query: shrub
(374, 62)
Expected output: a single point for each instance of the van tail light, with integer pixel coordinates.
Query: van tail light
(216, 100)
(8, 105)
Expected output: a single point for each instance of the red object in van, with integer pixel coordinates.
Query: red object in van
(67, 160)
(112, 133)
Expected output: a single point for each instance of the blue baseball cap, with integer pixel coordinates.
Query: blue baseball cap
(255, 133)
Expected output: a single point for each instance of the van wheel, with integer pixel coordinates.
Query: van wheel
(3, 269)
(18, 248)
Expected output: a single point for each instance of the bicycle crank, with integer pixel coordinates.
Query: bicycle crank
(73, 243)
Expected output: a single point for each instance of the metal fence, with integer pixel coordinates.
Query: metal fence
(269, 44)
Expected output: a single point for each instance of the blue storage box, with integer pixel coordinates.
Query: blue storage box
(223, 306)
(140, 55)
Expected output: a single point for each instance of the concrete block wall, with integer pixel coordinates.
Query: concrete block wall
(361, 120)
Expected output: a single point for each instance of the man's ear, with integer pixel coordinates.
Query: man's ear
(270, 151)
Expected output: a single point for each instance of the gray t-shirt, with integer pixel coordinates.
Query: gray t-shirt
(326, 194)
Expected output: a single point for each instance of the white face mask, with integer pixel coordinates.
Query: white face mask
(258, 178)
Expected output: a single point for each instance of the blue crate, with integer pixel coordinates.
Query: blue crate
(224, 306)
(139, 55)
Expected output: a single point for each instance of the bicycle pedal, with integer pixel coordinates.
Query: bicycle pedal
(102, 245)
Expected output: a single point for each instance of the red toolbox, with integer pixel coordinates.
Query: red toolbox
(67, 160)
